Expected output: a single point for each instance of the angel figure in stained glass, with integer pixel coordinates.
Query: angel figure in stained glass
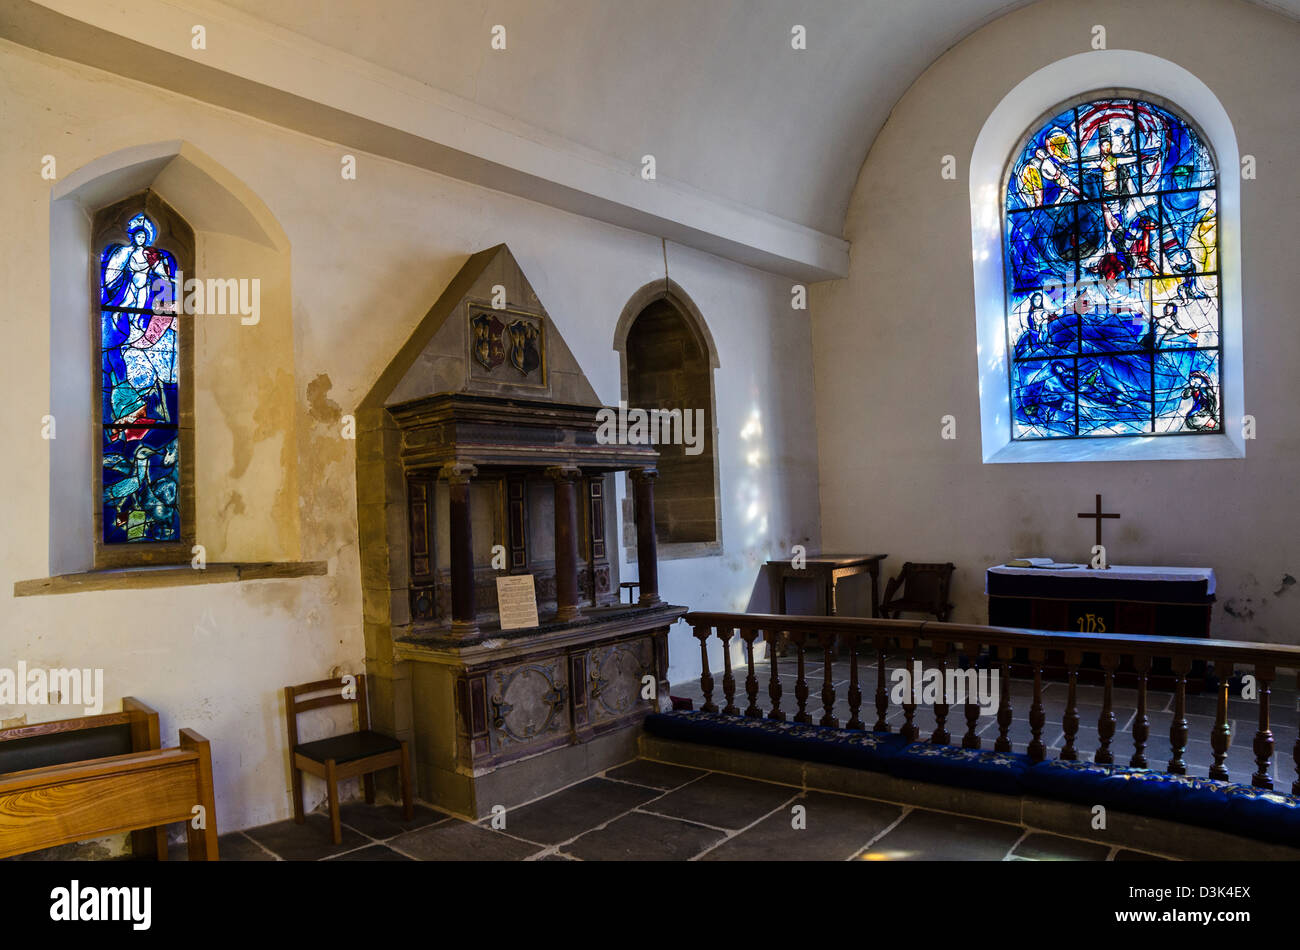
(1045, 167)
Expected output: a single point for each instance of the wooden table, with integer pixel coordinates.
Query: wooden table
(829, 569)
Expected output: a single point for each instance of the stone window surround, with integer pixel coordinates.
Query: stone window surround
(1100, 71)
(668, 289)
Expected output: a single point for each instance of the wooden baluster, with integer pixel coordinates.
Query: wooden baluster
(728, 680)
(1070, 719)
(855, 693)
(1037, 717)
(1141, 724)
(970, 740)
(1264, 673)
(1178, 727)
(827, 641)
(773, 640)
(751, 680)
(909, 730)
(882, 694)
(706, 679)
(1295, 754)
(1002, 743)
(801, 684)
(940, 735)
(1221, 735)
(1106, 721)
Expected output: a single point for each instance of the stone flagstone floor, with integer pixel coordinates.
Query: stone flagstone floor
(650, 811)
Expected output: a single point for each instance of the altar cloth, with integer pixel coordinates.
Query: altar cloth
(1119, 582)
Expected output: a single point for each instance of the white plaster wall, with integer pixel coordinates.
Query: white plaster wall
(894, 343)
(368, 258)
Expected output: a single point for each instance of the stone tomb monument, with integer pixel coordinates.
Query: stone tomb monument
(477, 458)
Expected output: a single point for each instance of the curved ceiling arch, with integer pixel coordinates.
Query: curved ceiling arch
(757, 146)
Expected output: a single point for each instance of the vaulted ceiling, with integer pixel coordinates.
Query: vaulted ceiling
(711, 88)
(757, 145)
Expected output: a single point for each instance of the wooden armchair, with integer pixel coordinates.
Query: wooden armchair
(919, 588)
(344, 756)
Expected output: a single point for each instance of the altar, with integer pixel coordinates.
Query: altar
(1130, 600)
(1133, 600)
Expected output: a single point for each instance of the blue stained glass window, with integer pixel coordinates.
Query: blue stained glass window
(1112, 276)
(139, 362)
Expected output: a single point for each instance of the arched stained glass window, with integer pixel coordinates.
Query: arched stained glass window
(144, 395)
(1112, 275)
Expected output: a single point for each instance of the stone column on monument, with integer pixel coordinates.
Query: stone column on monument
(464, 613)
(565, 479)
(647, 555)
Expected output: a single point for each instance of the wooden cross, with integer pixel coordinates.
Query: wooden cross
(1098, 515)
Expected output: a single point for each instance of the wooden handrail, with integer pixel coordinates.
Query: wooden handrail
(968, 640)
(1197, 648)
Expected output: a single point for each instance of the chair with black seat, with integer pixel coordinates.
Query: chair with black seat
(344, 756)
(919, 588)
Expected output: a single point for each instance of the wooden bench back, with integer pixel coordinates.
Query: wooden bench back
(76, 801)
(40, 744)
(321, 694)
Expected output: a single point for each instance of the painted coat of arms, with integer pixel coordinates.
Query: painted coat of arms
(507, 347)
(488, 347)
(525, 346)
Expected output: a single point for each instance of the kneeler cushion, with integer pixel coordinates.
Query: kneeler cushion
(825, 744)
(964, 768)
(1236, 809)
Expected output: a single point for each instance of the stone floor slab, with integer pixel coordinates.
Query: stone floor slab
(836, 827)
(1041, 846)
(935, 836)
(571, 811)
(386, 821)
(374, 852)
(660, 775)
(458, 840)
(309, 841)
(722, 801)
(643, 837)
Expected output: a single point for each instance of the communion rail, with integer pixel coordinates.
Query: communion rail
(949, 641)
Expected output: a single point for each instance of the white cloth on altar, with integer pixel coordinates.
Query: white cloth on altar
(1116, 572)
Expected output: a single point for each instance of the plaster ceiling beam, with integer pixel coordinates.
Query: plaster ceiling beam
(269, 73)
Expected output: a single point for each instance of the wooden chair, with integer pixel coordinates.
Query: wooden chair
(919, 588)
(344, 756)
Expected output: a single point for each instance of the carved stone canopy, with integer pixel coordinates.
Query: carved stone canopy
(493, 432)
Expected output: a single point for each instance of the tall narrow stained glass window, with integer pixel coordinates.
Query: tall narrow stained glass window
(1112, 276)
(140, 364)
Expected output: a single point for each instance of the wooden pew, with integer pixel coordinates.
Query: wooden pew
(76, 801)
(134, 729)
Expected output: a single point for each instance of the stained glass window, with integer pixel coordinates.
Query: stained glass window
(139, 361)
(1112, 276)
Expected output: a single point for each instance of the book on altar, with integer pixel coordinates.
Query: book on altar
(1037, 562)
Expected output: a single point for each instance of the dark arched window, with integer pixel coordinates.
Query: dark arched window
(668, 366)
(1111, 258)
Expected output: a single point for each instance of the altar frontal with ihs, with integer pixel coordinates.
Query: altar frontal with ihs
(1098, 596)
(485, 498)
